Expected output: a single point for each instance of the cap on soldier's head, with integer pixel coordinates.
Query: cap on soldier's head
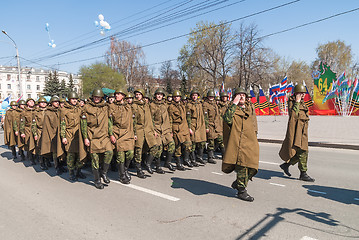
(72, 95)
(140, 90)
(223, 94)
(160, 91)
(62, 100)
(120, 90)
(29, 99)
(211, 93)
(217, 98)
(176, 93)
(42, 99)
(111, 95)
(300, 88)
(22, 102)
(169, 95)
(54, 99)
(194, 90)
(239, 90)
(97, 92)
(13, 103)
(130, 95)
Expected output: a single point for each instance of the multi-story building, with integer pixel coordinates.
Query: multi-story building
(32, 82)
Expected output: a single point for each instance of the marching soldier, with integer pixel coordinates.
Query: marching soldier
(11, 129)
(70, 141)
(180, 130)
(36, 129)
(223, 103)
(48, 144)
(26, 122)
(62, 102)
(242, 148)
(214, 127)
(163, 128)
(111, 98)
(20, 140)
(295, 145)
(145, 133)
(197, 129)
(122, 135)
(95, 130)
(129, 98)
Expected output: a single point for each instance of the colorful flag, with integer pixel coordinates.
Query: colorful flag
(8, 99)
(307, 99)
(275, 88)
(273, 105)
(222, 87)
(290, 88)
(331, 95)
(254, 100)
(284, 81)
(263, 103)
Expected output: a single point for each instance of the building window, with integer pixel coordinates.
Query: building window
(28, 87)
(9, 86)
(28, 78)
(38, 87)
(28, 95)
(8, 77)
(0, 95)
(37, 79)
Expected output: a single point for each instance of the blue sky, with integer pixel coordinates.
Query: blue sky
(72, 25)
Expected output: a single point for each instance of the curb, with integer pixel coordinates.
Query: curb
(316, 144)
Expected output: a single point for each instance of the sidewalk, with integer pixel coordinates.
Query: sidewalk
(324, 131)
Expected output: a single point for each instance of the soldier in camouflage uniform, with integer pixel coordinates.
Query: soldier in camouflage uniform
(96, 130)
(197, 128)
(36, 129)
(71, 139)
(146, 136)
(122, 135)
(26, 121)
(214, 126)
(163, 128)
(20, 140)
(10, 128)
(223, 103)
(180, 130)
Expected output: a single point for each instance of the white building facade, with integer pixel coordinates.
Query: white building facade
(32, 82)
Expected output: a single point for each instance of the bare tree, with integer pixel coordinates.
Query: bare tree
(170, 76)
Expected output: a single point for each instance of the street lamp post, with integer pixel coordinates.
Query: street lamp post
(18, 60)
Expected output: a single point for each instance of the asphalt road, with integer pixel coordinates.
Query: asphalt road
(195, 204)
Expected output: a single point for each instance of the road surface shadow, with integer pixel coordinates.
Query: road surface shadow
(269, 221)
(200, 187)
(342, 195)
(7, 155)
(268, 174)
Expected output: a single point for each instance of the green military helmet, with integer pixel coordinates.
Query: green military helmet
(217, 98)
(176, 93)
(140, 90)
(160, 91)
(29, 99)
(224, 94)
(111, 95)
(54, 99)
(300, 88)
(62, 100)
(239, 90)
(22, 102)
(97, 92)
(169, 95)
(130, 95)
(211, 93)
(42, 99)
(72, 95)
(147, 95)
(13, 103)
(121, 90)
(194, 90)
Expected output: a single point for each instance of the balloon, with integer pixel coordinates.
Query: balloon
(4, 104)
(101, 17)
(53, 45)
(102, 33)
(47, 27)
(49, 44)
(96, 23)
(52, 41)
(102, 23)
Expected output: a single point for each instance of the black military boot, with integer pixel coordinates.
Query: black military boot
(42, 163)
(148, 164)
(235, 185)
(186, 160)
(72, 175)
(104, 173)
(200, 156)
(47, 162)
(113, 166)
(122, 175)
(140, 173)
(222, 149)
(285, 168)
(21, 153)
(179, 167)
(98, 183)
(168, 162)
(31, 158)
(127, 165)
(13, 151)
(158, 166)
(79, 174)
(305, 177)
(210, 157)
(243, 195)
(192, 156)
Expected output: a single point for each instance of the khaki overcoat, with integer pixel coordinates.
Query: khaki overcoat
(240, 139)
(215, 124)
(39, 115)
(161, 121)
(27, 117)
(19, 140)
(50, 129)
(177, 115)
(10, 138)
(197, 123)
(297, 130)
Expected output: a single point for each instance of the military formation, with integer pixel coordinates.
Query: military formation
(147, 133)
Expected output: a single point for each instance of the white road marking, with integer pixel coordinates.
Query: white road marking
(196, 169)
(316, 191)
(356, 199)
(276, 184)
(217, 173)
(307, 238)
(269, 163)
(158, 194)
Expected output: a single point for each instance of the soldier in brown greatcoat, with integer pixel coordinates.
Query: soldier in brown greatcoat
(122, 135)
(10, 128)
(20, 140)
(26, 121)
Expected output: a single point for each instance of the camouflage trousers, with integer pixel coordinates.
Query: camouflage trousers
(301, 157)
(97, 158)
(213, 144)
(122, 156)
(169, 147)
(73, 161)
(187, 146)
(155, 151)
(198, 145)
(244, 174)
